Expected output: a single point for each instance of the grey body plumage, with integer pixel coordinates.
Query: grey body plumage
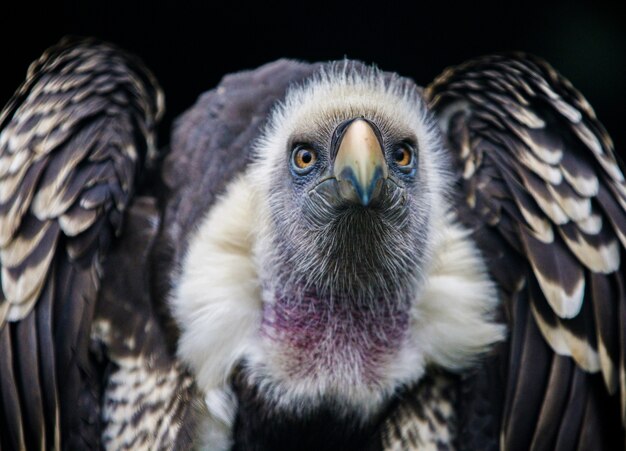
(333, 259)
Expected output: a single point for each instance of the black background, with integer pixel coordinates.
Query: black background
(191, 45)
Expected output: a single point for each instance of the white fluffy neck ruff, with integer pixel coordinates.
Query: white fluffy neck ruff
(217, 303)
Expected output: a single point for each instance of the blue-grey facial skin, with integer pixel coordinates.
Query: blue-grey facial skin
(332, 245)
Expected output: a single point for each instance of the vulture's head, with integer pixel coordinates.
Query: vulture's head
(346, 276)
(350, 178)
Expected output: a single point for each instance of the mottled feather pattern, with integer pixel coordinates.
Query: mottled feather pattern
(538, 167)
(149, 399)
(142, 407)
(425, 418)
(72, 140)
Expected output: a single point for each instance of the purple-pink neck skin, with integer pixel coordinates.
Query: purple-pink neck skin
(315, 333)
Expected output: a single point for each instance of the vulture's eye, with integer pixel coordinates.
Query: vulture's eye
(403, 156)
(303, 159)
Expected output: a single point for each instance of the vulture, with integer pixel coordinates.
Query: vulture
(325, 256)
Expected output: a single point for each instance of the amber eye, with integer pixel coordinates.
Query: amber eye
(403, 155)
(303, 159)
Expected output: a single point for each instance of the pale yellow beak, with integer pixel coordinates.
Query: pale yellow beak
(360, 166)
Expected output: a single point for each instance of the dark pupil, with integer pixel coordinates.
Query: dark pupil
(306, 157)
(399, 154)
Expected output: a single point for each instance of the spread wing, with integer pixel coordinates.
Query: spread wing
(543, 190)
(72, 140)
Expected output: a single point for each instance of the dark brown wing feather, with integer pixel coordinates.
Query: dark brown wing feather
(539, 176)
(71, 142)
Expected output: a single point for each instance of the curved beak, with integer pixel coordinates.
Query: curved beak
(360, 166)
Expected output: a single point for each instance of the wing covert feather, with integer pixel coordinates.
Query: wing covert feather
(72, 140)
(537, 168)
